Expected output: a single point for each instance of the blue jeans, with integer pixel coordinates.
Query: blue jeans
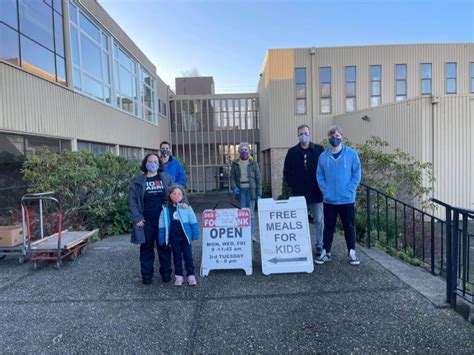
(246, 201)
(182, 250)
(318, 217)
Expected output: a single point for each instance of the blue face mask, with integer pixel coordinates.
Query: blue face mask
(152, 167)
(334, 141)
(244, 155)
(304, 138)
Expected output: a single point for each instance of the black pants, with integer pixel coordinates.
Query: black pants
(182, 250)
(147, 255)
(347, 214)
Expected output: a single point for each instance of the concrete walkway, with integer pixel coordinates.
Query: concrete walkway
(98, 304)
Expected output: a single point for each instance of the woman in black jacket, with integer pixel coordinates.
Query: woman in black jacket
(145, 201)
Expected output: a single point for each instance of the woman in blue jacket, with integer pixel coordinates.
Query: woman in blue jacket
(338, 176)
(178, 227)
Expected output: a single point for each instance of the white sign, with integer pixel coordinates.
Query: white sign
(284, 236)
(226, 240)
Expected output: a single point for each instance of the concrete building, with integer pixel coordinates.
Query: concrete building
(419, 98)
(71, 79)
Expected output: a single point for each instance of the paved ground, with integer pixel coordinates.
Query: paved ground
(98, 304)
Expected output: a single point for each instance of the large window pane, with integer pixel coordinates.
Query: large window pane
(77, 79)
(375, 101)
(72, 13)
(61, 70)
(325, 90)
(350, 74)
(451, 70)
(426, 71)
(36, 144)
(36, 21)
(375, 72)
(93, 87)
(91, 57)
(450, 86)
(426, 87)
(350, 89)
(58, 34)
(301, 106)
(376, 88)
(300, 75)
(124, 60)
(401, 87)
(8, 13)
(401, 71)
(58, 6)
(325, 105)
(350, 104)
(75, 46)
(325, 75)
(300, 91)
(88, 27)
(126, 82)
(9, 45)
(37, 59)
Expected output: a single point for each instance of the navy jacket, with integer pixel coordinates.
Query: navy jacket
(303, 182)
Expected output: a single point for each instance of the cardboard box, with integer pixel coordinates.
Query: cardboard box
(10, 236)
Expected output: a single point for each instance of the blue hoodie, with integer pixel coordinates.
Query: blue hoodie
(175, 169)
(338, 178)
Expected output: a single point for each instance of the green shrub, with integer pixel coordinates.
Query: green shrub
(92, 189)
(266, 189)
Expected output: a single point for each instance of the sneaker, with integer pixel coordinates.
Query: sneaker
(319, 250)
(192, 280)
(179, 281)
(254, 239)
(324, 257)
(352, 257)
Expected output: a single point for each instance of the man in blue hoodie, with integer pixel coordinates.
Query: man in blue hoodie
(338, 176)
(171, 165)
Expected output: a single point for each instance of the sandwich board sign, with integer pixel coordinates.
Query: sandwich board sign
(226, 240)
(284, 236)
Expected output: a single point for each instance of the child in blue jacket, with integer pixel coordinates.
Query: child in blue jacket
(177, 228)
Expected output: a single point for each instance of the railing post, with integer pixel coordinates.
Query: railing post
(454, 257)
(368, 217)
(433, 246)
(449, 261)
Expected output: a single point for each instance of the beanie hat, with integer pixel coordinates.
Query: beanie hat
(244, 144)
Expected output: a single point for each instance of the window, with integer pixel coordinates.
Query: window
(426, 79)
(300, 79)
(148, 94)
(325, 89)
(472, 78)
(451, 78)
(34, 29)
(90, 57)
(350, 75)
(375, 85)
(96, 148)
(401, 82)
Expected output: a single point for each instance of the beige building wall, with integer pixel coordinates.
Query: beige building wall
(438, 130)
(407, 125)
(33, 105)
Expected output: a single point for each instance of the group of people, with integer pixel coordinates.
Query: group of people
(161, 214)
(328, 179)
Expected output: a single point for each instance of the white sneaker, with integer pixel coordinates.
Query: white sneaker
(352, 257)
(254, 238)
(324, 257)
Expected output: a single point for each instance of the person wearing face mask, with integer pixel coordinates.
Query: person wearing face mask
(338, 175)
(171, 165)
(246, 181)
(299, 173)
(145, 200)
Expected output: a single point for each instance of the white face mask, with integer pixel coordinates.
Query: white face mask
(304, 138)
